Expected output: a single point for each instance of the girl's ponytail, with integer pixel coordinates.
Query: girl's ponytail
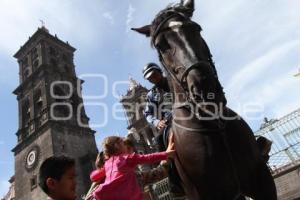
(100, 160)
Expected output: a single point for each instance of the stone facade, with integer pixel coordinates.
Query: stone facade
(52, 119)
(288, 182)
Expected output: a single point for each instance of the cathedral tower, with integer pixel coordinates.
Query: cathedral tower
(138, 128)
(52, 119)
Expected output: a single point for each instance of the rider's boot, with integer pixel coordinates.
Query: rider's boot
(158, 142)
(176, 190)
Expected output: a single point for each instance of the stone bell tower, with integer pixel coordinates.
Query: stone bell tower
(52, 119)
(139, 130)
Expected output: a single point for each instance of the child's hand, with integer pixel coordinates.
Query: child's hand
(171, 146)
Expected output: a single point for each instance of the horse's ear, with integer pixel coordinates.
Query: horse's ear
(145, 30)
(189, 4)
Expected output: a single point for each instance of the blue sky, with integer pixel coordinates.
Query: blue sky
(255, 44)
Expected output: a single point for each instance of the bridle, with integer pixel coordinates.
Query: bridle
(154, 36)
(182, 82)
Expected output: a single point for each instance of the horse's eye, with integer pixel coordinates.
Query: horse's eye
(163, 44)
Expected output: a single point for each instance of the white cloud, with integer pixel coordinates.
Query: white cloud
(285, 97)
(258, 69)
(78, 22)
(277, 95)
(130, 13)
(63, 17)
(109, 16)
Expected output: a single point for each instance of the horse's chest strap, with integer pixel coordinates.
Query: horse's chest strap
(204, 131)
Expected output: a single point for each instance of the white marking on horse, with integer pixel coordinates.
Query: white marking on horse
(175, 24)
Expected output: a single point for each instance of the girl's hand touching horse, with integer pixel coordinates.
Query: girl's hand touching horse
(171, 146)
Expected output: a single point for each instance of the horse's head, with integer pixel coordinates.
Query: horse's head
(182, 50)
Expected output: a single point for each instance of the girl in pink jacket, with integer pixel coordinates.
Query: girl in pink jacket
(119, 170)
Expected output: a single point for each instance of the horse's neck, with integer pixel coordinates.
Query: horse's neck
(179, 94)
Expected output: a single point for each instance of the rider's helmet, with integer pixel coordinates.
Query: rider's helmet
(149, 69)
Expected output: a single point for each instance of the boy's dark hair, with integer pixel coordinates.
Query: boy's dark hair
(54, 167)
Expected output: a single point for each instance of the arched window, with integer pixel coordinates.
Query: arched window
(26, 110)
(38, 101)
(26, 73)
(35, 64)
(25, 61)
(61, 109)
(34, 53)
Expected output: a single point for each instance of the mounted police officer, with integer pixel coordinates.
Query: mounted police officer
(158, 109)
(158, 113)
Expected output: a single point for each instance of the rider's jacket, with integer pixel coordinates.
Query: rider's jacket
(159, 103)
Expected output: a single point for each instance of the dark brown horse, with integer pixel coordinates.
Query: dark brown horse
(217, 154)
